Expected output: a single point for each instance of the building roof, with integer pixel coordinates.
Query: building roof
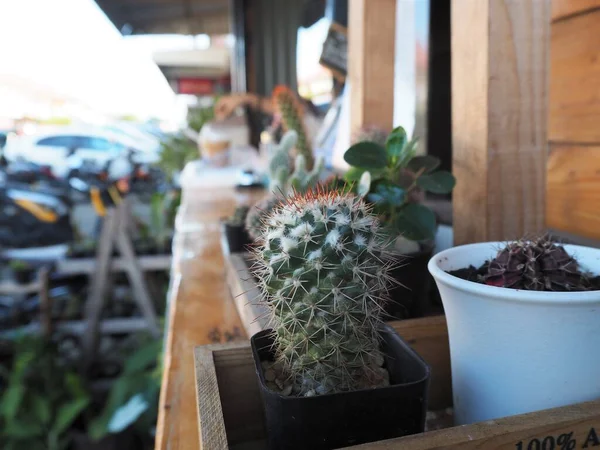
(168, 16)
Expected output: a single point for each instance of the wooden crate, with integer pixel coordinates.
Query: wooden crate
(231, 416)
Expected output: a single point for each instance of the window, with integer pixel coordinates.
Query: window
(59, 141)
(96, 143)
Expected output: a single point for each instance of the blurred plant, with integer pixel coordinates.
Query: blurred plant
(133, 398)
(19, 266)
(176, 151)
(197, 117)
(289, 110)
(395, 179)
(163, 208)
(239, 216)
(42, 399)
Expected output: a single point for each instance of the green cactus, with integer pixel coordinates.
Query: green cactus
(321, 264)
(291, 117)
(279, 162)
(257, 214)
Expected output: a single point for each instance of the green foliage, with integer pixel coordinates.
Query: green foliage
(398, 179)
(239, 216)
(322, 265)
(291, 117)
(176, 151)
(133, 398)
(18, 266)
(163, 210)
(197, 117)
(42, 398)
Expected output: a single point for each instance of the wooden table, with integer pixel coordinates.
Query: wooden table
(200, 311)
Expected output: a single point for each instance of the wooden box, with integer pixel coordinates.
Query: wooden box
(231, 416)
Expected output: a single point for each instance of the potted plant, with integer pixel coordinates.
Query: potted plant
(234, 230)
(22, 271)
(523, 325)
(282, 179)
(397, 180)
(42, 399)
(330, 373)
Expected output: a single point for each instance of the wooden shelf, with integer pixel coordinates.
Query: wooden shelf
(77, 327)
(75, 266)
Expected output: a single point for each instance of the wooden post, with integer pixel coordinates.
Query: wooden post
(500, 55)
(371, 35)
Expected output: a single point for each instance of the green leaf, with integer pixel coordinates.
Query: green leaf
(395, 143)
(367, 155)
(416, 222)
(42, 408)
(353, 174)
(438, 182)
(11, 401)
(143, 358)
(426, 163)
(67, 414)
(22, 430)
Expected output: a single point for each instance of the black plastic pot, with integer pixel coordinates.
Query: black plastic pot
(23, 276)
(411, 297)
(349, 418)
(236, 236)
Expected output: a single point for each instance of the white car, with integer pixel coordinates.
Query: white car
(65, 149)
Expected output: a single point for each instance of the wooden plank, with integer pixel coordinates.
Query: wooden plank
(575, 80)
(371, 37)
(245, 294)
(573, 190)
(563, 9)
(576, 426)
(73, 266)
(429, 338)
(499, 116)
(200, 311)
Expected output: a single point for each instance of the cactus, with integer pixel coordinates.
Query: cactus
(321, 264)
(257, 214)
(288, 108)
(281, 181)
(239, 216)
(536, 265)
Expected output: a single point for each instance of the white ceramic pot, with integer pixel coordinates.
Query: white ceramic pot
(515, 351)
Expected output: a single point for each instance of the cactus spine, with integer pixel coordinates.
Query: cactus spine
(320, 263)
(287, 106)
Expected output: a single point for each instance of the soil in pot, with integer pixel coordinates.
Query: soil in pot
(349, 418)
(411, 296)
(236, 236)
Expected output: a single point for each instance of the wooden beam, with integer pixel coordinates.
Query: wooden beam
(499, 117)
(371, 35)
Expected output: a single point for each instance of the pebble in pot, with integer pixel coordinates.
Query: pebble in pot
(331, 373)
(523, 325)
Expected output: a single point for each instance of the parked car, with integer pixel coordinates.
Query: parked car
(66, 149)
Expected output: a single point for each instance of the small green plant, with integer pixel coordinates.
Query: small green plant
(197, 117)
(282, 180)
(133, 398)
(289, 109)
(42, 399)
(163, 208)
(370, 133)
(19, 266)
(396, 179)
(323, 266)
(176, 151)
(239, 216)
